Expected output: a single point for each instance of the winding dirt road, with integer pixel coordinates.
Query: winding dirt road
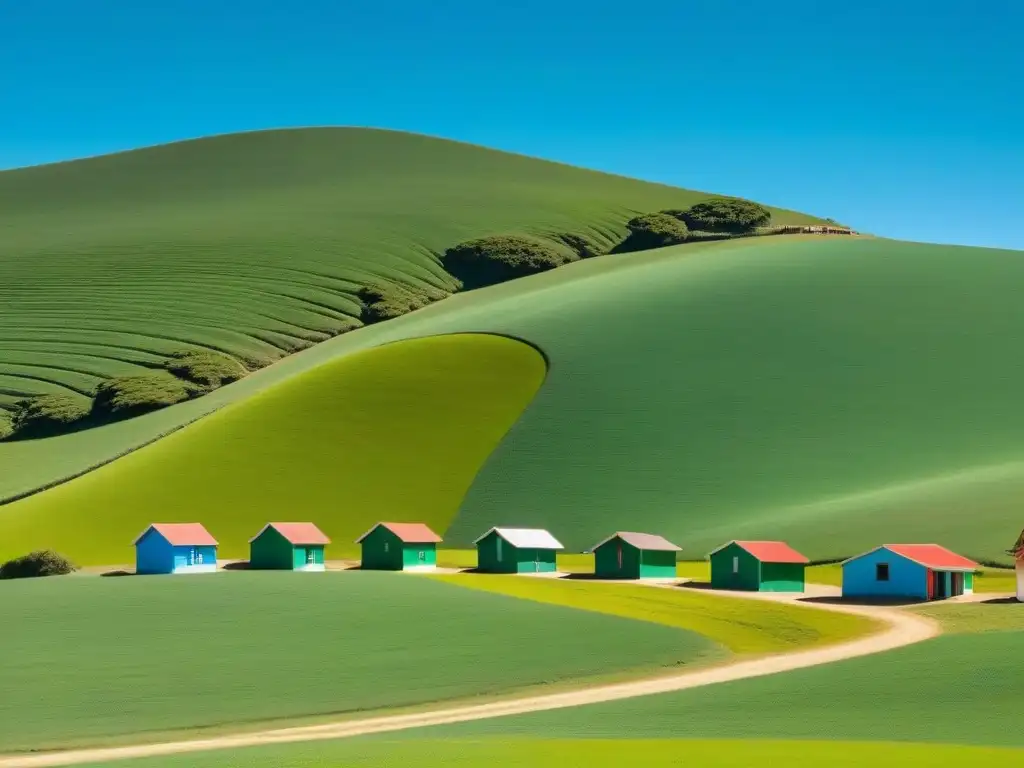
(904, 628)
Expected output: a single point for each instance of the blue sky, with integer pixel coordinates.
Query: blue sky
(904, 118)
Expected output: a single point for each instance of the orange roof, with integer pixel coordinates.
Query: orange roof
(297, 533)
(932, 556)
(410, 533)
(182, 534)
(772, 551)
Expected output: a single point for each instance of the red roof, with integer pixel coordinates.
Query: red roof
(772, 551)
(182, 534)
(410, 533)
(932, 556)
(298, 533)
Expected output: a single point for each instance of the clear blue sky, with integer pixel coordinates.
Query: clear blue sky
(904, 118)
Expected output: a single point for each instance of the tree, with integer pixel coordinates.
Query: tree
(653, 230)
(726, 214)
(496, 259)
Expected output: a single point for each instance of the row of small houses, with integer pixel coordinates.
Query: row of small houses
(921, 571)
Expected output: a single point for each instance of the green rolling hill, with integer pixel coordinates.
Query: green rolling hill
(837, 392)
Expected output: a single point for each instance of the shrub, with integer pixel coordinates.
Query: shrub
(579, 245)
(6, 425)
(205, 367)
(496, 259)
(726, 214)
(383, 302)
(653, 230)
(133, 395)
(47, 415)
(42, 563)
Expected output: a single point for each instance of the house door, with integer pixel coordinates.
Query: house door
(310, 556)
(192, 556)
(939, 585)
(422, 556)
(956, 584)
(536, 561)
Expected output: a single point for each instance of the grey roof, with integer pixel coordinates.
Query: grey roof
(649, 541)
(525, 538)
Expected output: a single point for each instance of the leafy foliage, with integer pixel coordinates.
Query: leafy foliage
(41, 563)
(725, 214)
(495, 259)
(383, 302)
(6, 425)
(133, 395)
(653, 230)
(205, 367)
(579, 245)
(48, 415)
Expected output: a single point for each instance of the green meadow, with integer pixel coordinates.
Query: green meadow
(93, 660)
(956, 689)
(365, 437)
(742, 626)
(557, 753)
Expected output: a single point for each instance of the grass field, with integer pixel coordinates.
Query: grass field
(742, 626)
(255, 244)
(91, 658)
(558, 753)
(956, 689)
(370, 436)
(999, 615)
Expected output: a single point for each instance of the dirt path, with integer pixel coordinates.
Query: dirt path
(904, 628)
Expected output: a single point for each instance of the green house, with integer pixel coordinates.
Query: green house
(516, 550)
(399, 547)
(630, 555)
(757, 566)
(288, 547)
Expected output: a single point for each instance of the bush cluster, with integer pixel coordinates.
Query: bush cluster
(384, 302)
(498, 258)
(206, 368)
(41, 563)
(653, 230)
(133, 395)
(47, 415)
(725, 214)
(6, 424)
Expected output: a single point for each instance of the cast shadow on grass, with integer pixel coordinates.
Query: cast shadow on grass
(107, 574)
(1002, 601)
(238, 565)
(892, 602)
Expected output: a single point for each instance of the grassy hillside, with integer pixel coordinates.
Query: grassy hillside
(373, 435)
(90, 658)
(957, 689)
(558, 753)
(837, 393)
(255, 244)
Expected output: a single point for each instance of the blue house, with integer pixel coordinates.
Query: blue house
(175, 548)
(908, 571)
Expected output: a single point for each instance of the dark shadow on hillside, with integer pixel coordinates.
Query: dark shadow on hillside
(892, 602)
(240, 565)
(107, 574)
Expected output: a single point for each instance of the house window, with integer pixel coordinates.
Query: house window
(423, 556)
(386, 546)
(735, 565)
(499, 549)
(881, 571)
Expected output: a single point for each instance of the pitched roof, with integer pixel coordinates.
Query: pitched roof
(768, 551)
(525, 538)
(1018, 548)
(410, 533)
(648, 541)
(181, 534)
(931, 556)
(296, 533)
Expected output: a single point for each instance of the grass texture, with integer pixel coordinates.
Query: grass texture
(255, 244)
(742, 626)
(557, 753)
(994, 615)
(370, 436)
(955, 689)
(91, 658)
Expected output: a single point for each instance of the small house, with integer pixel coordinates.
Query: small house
(399, 547)
(1017, 553)
(516, 550)
(175, 548)
(288, 547)
(630, 555)
(908, 571)
(757, 566)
